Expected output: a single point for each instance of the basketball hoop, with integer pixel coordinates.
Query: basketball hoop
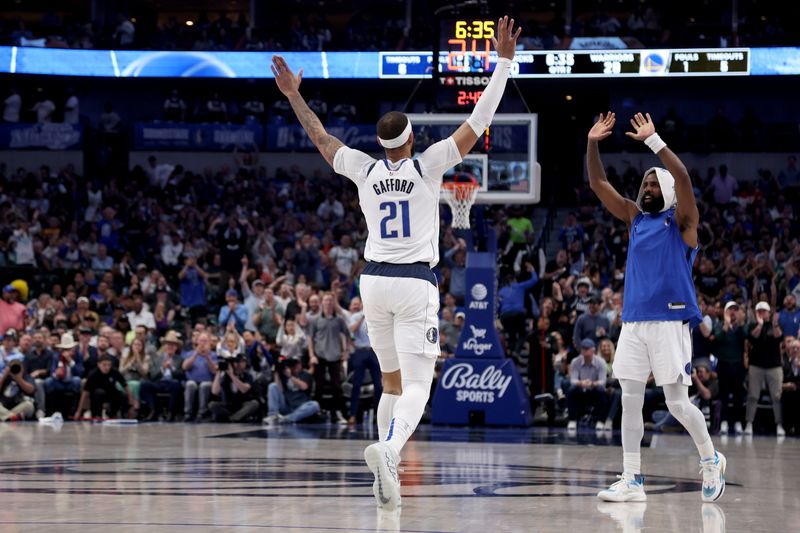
(460, 195)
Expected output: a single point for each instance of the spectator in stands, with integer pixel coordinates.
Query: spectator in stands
(723, 186)
(9, 351)
(291, 340)
(44, 107)
(233, 312)
(345, 258)
(306, 259)
(109, 119)
(327, 348)
(216, 109)
(102, 262)
(790, 398)
(588, 385)
(613, 389)
(511, 311)
(38, 362)
(72, 110)
(200, 365)
(135, 367)
(165, 376)
(456, 258)
(289, 397)
(763, 362)
(12, 106)
(591, 325)
(125, 33)
(571, 231)
(319, 106)
(171, 251)
(579, 302)
(235, 385)
(193, 288)
(253, 109)
(16, 390)
(362, 359)
(83, 315)
(67, 369)
(108, 229)
(788, 318)
(22, 241)
(139, 315)
(12, 313)
(174, 107)
(103, 387)
(728, 338)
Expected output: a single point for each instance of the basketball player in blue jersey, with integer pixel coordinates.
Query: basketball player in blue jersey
(660, 304)
(400, 201)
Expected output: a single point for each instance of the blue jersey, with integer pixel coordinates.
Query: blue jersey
(658, 278)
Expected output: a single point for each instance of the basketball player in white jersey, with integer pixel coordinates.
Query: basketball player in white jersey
(400, 201)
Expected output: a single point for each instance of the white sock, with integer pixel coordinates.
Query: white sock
(407, 413)
(632, 463)
(385, 410)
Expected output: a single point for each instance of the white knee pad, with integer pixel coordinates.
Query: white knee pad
(679, 410)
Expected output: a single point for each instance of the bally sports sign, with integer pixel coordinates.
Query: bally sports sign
(490, 386)
(486, 387)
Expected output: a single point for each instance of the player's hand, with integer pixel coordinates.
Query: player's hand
(506, 41)
(603, 127)
(288, 83)
(644, 127)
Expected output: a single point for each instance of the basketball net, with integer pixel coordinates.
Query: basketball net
(460, 195)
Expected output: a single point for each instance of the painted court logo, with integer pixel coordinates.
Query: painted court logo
(432, 335)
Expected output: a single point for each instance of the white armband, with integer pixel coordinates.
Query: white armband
(482, 115)
(655, 143)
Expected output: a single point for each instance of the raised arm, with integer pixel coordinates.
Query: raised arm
(686, 213)
(506, 43)
(289, 84)
(620, 207)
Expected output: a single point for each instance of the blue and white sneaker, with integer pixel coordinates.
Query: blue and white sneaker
(382, 460)
(629, 488)
(713, 471)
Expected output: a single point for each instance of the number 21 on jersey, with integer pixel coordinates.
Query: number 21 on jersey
(391, 208)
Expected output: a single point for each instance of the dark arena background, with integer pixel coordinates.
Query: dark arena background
(164, 215)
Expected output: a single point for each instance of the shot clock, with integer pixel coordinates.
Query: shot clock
(467, 43)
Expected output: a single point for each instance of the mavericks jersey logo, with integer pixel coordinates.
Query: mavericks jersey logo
(432, 335)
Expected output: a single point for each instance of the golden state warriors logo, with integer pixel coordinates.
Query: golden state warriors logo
(654, 63)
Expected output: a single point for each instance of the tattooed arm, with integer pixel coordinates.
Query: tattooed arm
(289, 84)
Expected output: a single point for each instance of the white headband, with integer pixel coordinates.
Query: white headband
(398, 141)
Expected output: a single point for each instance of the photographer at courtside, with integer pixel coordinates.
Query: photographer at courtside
(17, 388)
(234, 384)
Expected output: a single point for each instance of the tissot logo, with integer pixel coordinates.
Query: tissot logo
(465, 81)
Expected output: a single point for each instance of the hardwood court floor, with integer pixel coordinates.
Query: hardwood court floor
(203, 477)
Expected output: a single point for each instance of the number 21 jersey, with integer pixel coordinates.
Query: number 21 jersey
(400, 201)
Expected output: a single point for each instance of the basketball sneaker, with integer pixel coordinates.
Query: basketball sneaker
(382, 460)
(723, 427)
(713, 471)
(629, 488)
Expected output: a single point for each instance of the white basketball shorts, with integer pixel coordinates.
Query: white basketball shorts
(402, 317)
(661, 347)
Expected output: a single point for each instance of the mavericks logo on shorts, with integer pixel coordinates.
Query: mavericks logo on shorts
(688, 368)
(432, 335)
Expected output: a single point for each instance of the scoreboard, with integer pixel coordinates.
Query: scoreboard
(469, 58)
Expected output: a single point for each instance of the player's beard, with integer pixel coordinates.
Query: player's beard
(654, 206)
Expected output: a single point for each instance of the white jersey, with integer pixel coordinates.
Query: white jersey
(401, 206)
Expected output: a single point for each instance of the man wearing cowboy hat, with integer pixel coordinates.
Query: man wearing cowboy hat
(165, 376)
(66, 370)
